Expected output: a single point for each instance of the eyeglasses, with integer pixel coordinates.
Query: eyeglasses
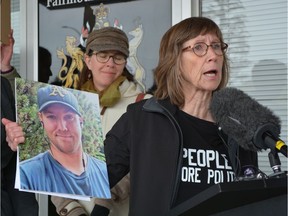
(200, 49)
(103, 57)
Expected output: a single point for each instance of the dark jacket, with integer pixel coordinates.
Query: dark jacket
(147, 141)
(13, 201)
(7, 111)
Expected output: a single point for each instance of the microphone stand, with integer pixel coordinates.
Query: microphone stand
(275, 164)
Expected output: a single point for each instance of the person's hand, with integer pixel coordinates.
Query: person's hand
(84, 32)
(14, 133)
(6, 53)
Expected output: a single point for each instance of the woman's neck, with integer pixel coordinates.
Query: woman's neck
(198, 104)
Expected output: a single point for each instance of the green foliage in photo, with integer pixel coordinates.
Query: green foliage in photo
(36, 141)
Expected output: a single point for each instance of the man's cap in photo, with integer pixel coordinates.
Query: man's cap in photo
(51, 94)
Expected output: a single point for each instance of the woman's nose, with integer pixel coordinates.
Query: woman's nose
(110, 61)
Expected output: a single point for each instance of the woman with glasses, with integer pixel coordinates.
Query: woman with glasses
(105, 73)
(170, 143)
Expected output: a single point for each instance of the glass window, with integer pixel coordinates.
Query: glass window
(15, 25)
(256, 32)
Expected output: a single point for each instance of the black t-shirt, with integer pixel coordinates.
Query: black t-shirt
(205, 157)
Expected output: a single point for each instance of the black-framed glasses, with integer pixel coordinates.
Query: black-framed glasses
(104, 57)
(200, 49)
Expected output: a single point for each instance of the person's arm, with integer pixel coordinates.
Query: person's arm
(68, 207)
(7, 70)
(7, 111)
(6, 54)
(116, 150)
(114, 143)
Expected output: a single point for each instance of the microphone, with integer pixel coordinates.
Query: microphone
(253, 126)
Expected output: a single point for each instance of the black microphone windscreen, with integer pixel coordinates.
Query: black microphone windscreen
(240, 116)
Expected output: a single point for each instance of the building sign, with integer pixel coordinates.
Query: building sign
(62, 4)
